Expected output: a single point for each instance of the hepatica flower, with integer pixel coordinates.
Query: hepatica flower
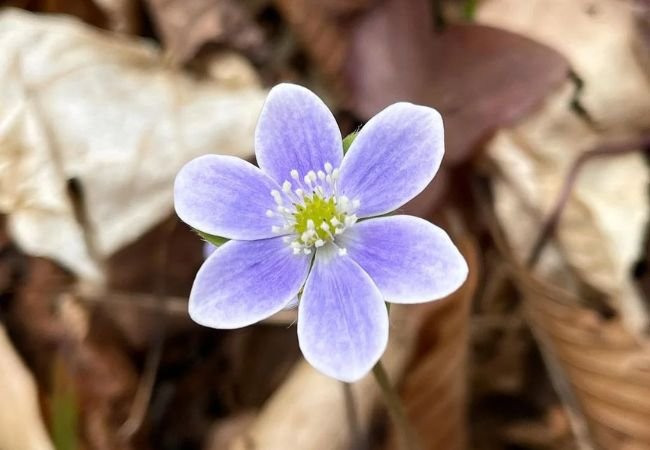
(310, 225)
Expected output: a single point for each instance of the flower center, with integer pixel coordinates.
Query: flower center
(311, 211)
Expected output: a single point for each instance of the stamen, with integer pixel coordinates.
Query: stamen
(311, 212)
(343, 251)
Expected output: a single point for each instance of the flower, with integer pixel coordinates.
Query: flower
(311, 224)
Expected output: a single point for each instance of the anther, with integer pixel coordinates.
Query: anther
(294, 174)
(286, 187)
(319, 243)
(343, 251)
(328, 167)
(269, 213)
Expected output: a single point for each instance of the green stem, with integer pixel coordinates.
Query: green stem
(393, 404)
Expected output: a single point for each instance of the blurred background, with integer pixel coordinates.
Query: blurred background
(544, 188)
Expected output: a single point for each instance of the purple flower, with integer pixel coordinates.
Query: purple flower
(307, 224)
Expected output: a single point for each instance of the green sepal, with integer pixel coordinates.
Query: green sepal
(212, 239)
(348, 140)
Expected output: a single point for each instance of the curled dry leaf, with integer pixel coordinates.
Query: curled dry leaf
(93, 129)
(608, 367)
(21, 424)
(434, 387)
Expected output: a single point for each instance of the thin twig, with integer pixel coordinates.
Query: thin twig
(556, 373)
(169, 305)
(614, 148)
(142, 399)
(408, 436)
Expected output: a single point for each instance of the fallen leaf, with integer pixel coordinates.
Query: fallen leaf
(94, 127)
(21, 424)
(434, 390)
(480, 78)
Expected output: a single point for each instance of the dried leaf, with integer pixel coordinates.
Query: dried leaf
(21, 424)
(94, 128)
(603, 359)
(434, 387)
(480, 78)
(601, 229)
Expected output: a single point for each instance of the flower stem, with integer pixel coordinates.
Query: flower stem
(407, 434)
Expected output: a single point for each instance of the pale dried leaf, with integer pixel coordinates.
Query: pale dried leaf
(21, 424)
(598, 37)
(107, 112)
(601, 229)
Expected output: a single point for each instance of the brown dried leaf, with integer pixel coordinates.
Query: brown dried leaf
(434, 388)
(608, 366)
(49, 324)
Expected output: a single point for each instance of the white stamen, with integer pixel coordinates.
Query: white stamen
(343, 251)
(277, 197)
(295, 200)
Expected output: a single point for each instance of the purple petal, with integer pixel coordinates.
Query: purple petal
(225, 196)
(342, 319)
(208, 249)
(409, 259)
(296, 131)
(393, 158)
(244, 282)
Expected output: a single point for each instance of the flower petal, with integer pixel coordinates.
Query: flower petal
(243, 282)
(342, 319)
(393, 158)
(409, 259)
(225, 196)
(296, 131)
